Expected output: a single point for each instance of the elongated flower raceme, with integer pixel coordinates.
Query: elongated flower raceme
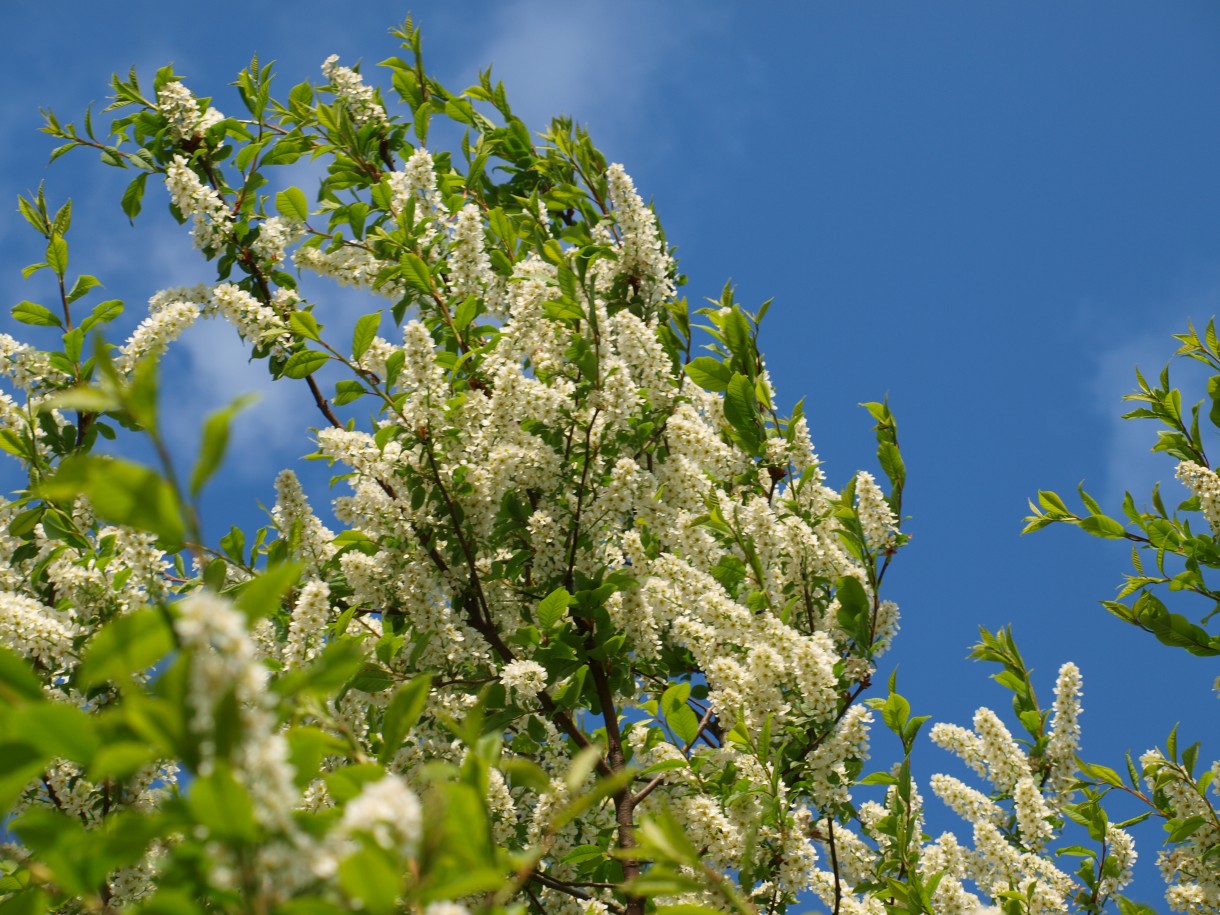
(212, 223)
(181, 110)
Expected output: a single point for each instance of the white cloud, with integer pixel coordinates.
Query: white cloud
(1130, 464)
(595, 62)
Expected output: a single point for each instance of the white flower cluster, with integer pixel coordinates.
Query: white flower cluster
(28, 366)
(1187, 868)
(387, 811)
(223, 659)
(469, 265)
(275, 234)
(181, 110)
(1204, 484)
(643, 259)
(359, 100)
(876, 517)
(36, 631)
(1064, 740)
(212, 223)
(417, 181)
(256, 322)
(526, 678)
(307, 630)
(351, 265)
(155, 333)
(294, 518)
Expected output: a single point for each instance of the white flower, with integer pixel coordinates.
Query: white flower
(1205, 486)
(876, 516)
(643, 259)
(181, 111)
(528, 678)
(388, 812)
(212, 221)
(36, 631)
(353, 94)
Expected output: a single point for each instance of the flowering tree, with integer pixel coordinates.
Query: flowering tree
(595, 635)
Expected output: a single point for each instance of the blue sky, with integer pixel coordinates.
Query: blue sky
(990, 212)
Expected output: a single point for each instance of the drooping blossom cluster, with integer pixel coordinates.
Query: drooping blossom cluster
(211, 221)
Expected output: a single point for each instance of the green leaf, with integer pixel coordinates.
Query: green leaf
(466, 313)
(416, 273)
(741, 411)
(854, 609)
(1181, 830)
(371, 881)
(215, 441)
(1102, 526)
(128, 644)
(371, 678)
(895, 713)
(401, 714)
(82, 285)
(84, 399)
(291, 203)
(551, 608)
(261, 595)
(57, 729)
(133, 197)
(20, 763)
(103, 313)
(121, 492)
(306, 325)
(222, 805)
(304, 363)
(57, 255)
(348, 391)
(307, 747)
(37, 315)
(17, 681)
(120, 759)
(362, 336)
(709, 373)
(680, 717)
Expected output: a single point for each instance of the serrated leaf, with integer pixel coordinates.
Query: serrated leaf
(305, 324)
(709, 373)
(129, 644)
(304, 363)
(1102, 526)
(362, 336)
(401, 714)
(57, 255)
(552, 607)
(371, 678)
(741, 409)
(121, 492)
(133, 197)
(82, 286)
(36, 315)
(291, 204)
(416, 273)
(103, 313)
(261, 595)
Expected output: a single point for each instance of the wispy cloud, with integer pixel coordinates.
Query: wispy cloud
(1130, 464)
(595, 62)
